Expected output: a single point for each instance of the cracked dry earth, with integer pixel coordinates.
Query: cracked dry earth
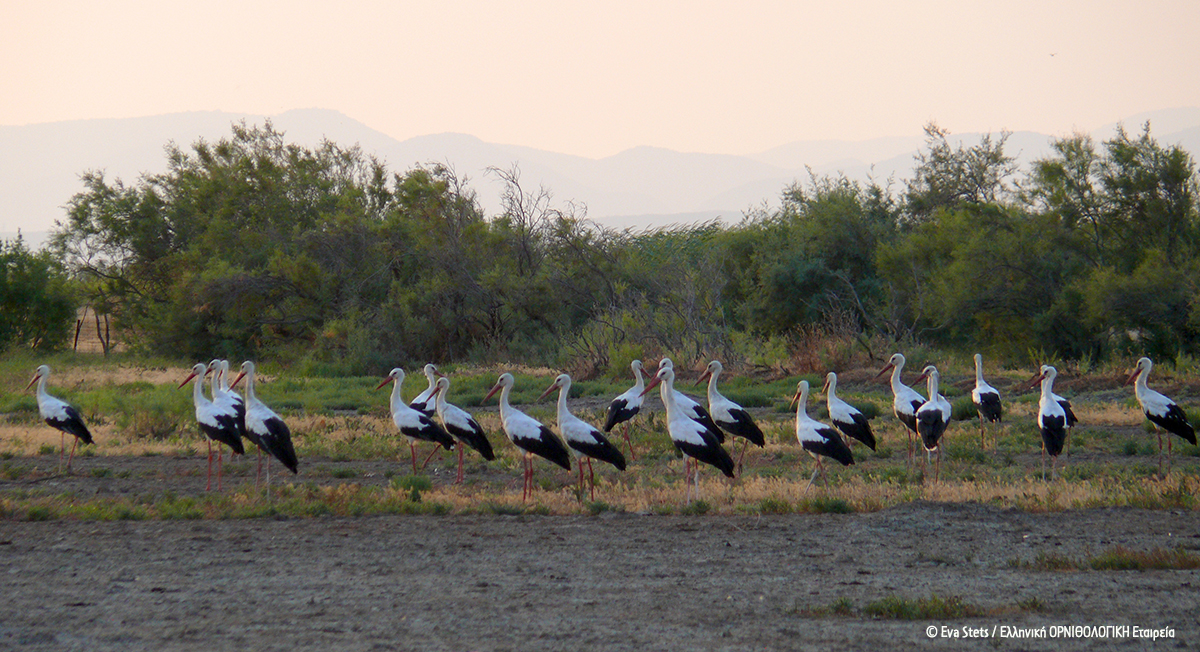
(607, 582)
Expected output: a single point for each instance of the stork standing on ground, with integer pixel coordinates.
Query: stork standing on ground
(528, 434)
(816, 438)
(905, 400)
(584, 440)
(1052, 420)
(626, 406)
(413, 423)
(264, 427)
(425, 402)
(729, 416)
(689, 407)
(846, 417)
(1071, 420)
(986, 399)
(58, 414)
(218, 423)
(932, 419)
(224, 397)
(697, 442)
(461, 425)
(1164, 413)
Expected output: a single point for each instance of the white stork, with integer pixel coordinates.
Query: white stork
(905, 400)
(986, 399)
(816, 438)
(58, 414)
(461, 425)
(689, 406)
(413, 423)
(216, 422)
(729, 416)
(264, 427)
(697, 442)
(585, 441)
(846, 417)
(1164, 413)
(1052, 420)
(528, 434)
(933, 417)
(224, 397)
(425, 403)
(626, 406)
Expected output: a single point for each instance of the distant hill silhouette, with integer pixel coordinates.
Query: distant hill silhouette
(644, 186)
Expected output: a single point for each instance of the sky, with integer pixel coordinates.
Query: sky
(594, 79)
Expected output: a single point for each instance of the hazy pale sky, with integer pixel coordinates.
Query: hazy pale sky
(596, 78)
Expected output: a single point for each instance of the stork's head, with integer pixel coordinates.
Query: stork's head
(665, 374)
(830, 381)
(801, 392)
(1143, 367)
(395, 375)
(43, 371)
(713, 369)
(505, 380)
(897, 360)
(199, 369)
(563, 381)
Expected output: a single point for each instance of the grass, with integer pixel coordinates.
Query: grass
(1118, 558)
(138, 410)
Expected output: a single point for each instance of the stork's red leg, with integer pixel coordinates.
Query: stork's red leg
(72, 457)
(632, 455)
(592, 474)
(208, 484)
(412, 447)
(431, 454)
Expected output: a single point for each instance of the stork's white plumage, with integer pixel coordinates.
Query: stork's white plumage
(1160, 410)
(413, 423)
(58, 414)
(690, 407)
(933, 417)
(264, 427)
(986, 399)
(845, 417)
(584, 440)
(729, 416)
(528, 434)
(626, 406)
(692, 438)
(461, 425)
(218, 423)
(905, 400)
(426, 401)
(816, 438)
(1052, 420)
(224, 397)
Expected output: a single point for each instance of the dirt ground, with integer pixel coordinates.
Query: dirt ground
(616, 581)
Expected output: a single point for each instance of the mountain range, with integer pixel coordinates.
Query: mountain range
(40, 164)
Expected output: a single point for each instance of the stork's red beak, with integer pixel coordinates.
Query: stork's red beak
(548, 390)
(34, 380)
(653, 383)
(493, 392)
(185, 380)
(384, 382)
(237, 380)
(703, 377)
(883, 371)
(1132, 377)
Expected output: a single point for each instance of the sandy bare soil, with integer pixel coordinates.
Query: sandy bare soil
(610, 582)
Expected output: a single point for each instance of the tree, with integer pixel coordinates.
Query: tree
(37, 307)
(947, 177)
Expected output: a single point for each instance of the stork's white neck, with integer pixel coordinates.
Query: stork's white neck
(563, 413)
(713, 394)
(397, 397)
